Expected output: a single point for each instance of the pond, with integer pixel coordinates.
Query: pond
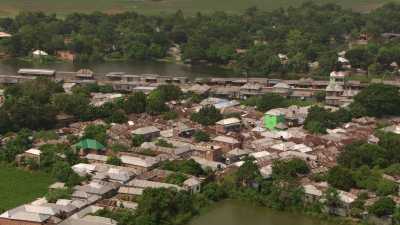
(233, 212)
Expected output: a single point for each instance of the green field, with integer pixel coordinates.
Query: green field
(63, 7)
(19, 186)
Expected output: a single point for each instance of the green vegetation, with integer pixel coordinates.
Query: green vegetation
(18, 186)
(266, 102)
(171, 115)
(320, 119)
(96, 132)
(289, 169)
(201, 136)
(379, 100)
(376, 100)
(45, 135)
(176, 178)
(207, 115)
(383, 207)
(183, 166)
(35, 104)
(53, 195)
(114, 160)
(135, 103)
(164, 143)
(137, 140)
(270, 101)
(362, 165)
(216, 37)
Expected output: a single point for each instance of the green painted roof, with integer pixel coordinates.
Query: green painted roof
(89, 144)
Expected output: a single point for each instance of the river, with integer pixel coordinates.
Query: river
(11, 66)
(232, 212)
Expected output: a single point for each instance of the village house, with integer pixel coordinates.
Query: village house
(263, 143)
(192, 184)
(116, 174)
(250, 89)
(228, 125)
(226, 143)
(275, 119)
(312, 193)
(103, 189)
(235, 155)
(202, 90)
(95, 158)
(30, 154)
(85, 74)
(86, 217)
(39, 212)
(212, 153)
(282, 89)
(37, 73)
(343, 209)
(182, 130)
(142, 163)
(148, 133)
(208, 164)
(143, 184)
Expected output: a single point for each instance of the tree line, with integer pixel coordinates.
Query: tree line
(251, 41)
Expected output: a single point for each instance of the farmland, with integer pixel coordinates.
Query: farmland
(154, 7)
(19, 186)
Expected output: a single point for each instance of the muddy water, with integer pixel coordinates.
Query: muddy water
(238, 213)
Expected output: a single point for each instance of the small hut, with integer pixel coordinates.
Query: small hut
(86, 74)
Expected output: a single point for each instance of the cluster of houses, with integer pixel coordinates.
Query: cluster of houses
(274, 135)
(339, 89)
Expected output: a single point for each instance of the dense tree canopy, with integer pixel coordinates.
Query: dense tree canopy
(251, 41)
(379, 100)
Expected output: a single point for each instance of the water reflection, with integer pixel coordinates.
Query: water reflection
(11, 66)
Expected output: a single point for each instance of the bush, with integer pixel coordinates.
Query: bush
(137, 140)
(385, 206)
(117, 116)
(96, 132)
(119, 148)
(184, 166)
(164, 143)
(341, 178)
(266, 102)
(114, 160)
(63, 193)
(208, 115)
(201, 136)
(214, 192)
(171, 115)
(135, 103)
(176, 178)
(45, 135)
(287, 169)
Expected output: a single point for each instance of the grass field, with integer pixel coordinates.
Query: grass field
(63, 7)
(18, 186)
